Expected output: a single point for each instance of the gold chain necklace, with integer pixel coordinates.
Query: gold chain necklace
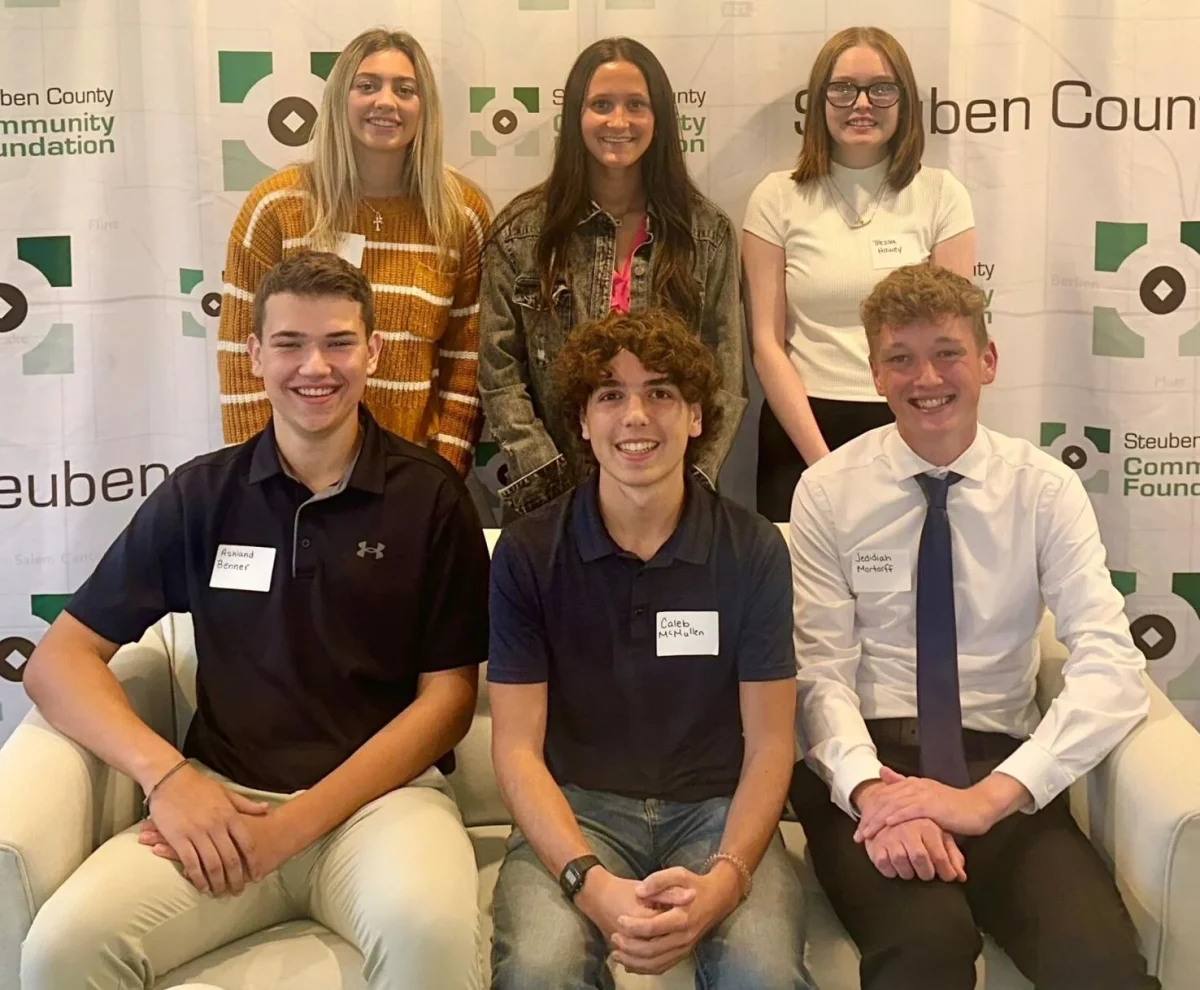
(860, 220)
(377, 223)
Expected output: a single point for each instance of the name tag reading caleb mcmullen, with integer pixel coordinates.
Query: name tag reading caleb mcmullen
(243, 568)
(688, 634)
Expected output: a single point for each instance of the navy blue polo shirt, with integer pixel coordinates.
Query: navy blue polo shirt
(571, 609)
(374, 582)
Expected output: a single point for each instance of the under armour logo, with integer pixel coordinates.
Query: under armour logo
(375, 551)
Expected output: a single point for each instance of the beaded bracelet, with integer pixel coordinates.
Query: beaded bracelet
(162, 780)
(738, 864)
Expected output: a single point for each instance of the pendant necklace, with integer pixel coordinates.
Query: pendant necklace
(377, 223)
(860, 220)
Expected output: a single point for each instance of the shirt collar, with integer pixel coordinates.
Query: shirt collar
(594, 210)
(690, 542)
(367, 470)
(906, 463)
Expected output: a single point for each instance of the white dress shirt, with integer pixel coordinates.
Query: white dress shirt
(1023, 533)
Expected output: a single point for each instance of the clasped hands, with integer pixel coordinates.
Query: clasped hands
(222, 840)
(908, 824)
(652, 924)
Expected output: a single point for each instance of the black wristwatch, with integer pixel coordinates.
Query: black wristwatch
(571, 878)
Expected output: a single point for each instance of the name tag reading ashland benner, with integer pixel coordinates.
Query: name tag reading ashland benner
(688, 634)
(243, 568)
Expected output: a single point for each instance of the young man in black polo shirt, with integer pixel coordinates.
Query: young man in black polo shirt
(337, 580)
(642, 688)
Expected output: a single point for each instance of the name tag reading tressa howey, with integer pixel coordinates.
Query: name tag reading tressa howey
(892, 252)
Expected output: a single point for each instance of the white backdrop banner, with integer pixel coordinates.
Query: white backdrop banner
(129, 133)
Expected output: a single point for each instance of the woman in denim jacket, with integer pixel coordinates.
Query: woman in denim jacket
(617, 225)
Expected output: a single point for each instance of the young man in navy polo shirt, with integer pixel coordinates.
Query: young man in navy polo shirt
(336, 576)
(642, 687)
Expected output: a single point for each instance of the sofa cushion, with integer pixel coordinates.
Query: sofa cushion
(297, 955)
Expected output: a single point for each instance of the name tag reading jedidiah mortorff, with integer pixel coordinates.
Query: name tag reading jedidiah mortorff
(243, 568)
(880, 570)
(688, 634)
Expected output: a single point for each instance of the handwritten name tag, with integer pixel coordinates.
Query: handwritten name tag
(892, 252)
(688, 634)
(351, 247)
(880, 570)
(243, 568)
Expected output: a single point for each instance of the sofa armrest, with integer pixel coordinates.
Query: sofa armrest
(60, 802)
(1141, 809)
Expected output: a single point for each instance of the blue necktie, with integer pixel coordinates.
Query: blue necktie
(939, 711)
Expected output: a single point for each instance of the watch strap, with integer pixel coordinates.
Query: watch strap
(573, 874)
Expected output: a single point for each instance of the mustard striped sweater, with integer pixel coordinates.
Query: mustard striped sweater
(426, 309)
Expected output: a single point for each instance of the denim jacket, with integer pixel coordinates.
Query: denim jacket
(520, 339)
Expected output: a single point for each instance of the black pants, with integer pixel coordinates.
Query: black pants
(779, 462)
(1034, 883)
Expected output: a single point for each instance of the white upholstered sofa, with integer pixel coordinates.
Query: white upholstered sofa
(1141, 807)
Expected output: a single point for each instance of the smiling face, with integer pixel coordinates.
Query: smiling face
(932, 373)
(861, 131)
(617, 120)
(383, 106)
(638, 424)
(314, 359)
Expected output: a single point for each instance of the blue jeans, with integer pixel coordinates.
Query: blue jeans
(543, 942)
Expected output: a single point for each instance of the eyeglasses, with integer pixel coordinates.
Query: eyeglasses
(845, 94)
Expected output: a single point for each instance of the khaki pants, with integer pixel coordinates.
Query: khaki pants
(397, 880)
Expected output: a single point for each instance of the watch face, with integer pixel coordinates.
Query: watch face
(573, 875)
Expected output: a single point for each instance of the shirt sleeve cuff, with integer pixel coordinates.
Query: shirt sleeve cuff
(1039, 772)
(858, 765)
(752, 225)
(538, 487)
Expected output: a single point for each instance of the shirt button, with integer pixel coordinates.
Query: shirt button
(306, 543)
(638, 612)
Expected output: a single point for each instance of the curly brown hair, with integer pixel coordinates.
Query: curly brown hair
(663, 343)
(923, 292)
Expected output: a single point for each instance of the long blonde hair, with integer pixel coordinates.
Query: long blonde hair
(331, 177)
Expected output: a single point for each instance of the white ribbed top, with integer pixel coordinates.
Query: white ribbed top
(830, 268)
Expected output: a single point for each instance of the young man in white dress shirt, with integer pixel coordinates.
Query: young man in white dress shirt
(933, 797)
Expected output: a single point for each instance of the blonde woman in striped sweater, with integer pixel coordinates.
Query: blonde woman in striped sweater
(377, 193)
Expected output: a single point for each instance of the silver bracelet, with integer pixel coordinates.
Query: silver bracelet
(162, 780)
(738, 864)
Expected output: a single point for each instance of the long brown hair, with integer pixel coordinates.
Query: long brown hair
(669, 188)
(907, 144)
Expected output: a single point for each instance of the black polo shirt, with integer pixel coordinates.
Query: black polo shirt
(573, 610)
(373, 583)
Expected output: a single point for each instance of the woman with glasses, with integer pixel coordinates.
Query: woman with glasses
(817, 239)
